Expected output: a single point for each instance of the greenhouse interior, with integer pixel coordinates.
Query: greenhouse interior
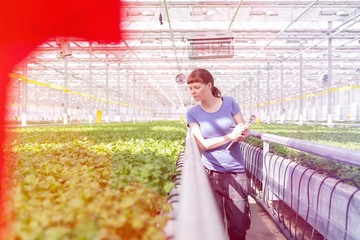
(281, 60)
(98, 142)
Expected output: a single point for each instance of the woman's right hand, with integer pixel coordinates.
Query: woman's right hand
(238, 130)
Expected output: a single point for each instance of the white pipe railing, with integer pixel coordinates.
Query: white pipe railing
(320, 204)
(347, 156)
(197, 215)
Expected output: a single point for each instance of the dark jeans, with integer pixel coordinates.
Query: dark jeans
(231, 193)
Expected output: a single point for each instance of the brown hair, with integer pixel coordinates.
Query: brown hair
(201, 75)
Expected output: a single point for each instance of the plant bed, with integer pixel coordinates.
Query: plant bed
(345, 137)
(106, 181)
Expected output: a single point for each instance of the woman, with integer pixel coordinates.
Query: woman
(215, 122)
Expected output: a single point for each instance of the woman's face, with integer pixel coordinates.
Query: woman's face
(199, 91)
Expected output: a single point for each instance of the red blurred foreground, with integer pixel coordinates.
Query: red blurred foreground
(25, 24)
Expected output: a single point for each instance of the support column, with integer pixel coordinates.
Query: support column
(348, 113)
(268, 93)
(329, 73)
(91, 100)
(66, 95)
(250, 100)
(244, 95)
(133, 99)
(301, 99)
(24, 96)
(107, 89)
(258, 94)
(118, 93)
(282, 107)
(128, 99)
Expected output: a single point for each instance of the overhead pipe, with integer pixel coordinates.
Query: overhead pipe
(284, 29)
(171, 33)
(334, 32)
(236, 11)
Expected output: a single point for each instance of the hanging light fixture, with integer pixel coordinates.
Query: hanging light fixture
(65, 49)
(339, 13)
(342, 13)
(271, 12)
(147, 13)
(212, 12)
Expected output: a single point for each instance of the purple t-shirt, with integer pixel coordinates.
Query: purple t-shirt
(218, 124)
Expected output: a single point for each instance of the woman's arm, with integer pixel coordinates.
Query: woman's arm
(239, 118)
(211, 143)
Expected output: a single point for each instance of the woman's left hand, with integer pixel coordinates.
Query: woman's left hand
(245, 134)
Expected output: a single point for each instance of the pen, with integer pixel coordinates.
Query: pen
(252, 118)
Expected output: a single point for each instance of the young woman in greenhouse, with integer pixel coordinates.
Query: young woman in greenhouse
(215, 123)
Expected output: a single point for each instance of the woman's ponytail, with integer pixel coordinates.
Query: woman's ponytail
(215, 91)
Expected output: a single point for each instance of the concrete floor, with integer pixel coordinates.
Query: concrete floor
(262, 226)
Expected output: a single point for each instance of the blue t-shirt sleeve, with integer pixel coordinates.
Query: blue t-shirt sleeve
(235, 107)
(190, 118)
